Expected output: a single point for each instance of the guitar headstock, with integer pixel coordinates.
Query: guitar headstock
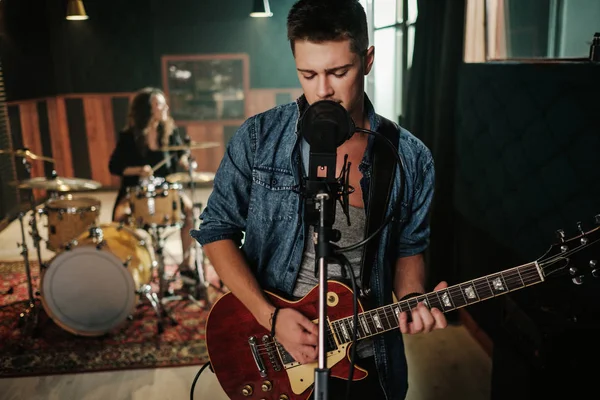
(577, 256)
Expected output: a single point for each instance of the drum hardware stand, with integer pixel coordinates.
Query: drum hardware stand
(31, 312)
(201, 286)
(157, 301)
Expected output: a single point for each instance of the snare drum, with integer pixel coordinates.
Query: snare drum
(92, 286)
(68, 218)
(155, 202)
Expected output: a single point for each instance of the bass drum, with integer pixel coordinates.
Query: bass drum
(91, 287)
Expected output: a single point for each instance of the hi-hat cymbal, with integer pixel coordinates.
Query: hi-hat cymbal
(26, 153)
(60, 184)
(199, 178)
(192, 146)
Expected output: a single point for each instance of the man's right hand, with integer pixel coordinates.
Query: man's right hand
(298, 335)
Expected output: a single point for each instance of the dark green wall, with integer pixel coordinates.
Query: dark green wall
(120, 46)
(27, 60)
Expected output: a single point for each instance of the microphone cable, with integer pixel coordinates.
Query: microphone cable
(398, 201)
(196, 379)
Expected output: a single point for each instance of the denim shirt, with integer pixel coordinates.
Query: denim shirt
(255, 198)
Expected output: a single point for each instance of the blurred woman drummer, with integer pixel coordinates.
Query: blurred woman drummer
(149, 129)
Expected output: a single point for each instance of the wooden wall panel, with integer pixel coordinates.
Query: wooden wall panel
(59, 135)
(208, 159)
(30, 130)
(260, 100)
(100, 136)
(93, 115)
(111, 139)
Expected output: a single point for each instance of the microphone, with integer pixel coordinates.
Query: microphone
(325, 125)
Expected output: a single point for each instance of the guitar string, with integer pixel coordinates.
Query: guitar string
(521, 278)
(453, 289)
(554, 259)
(529, 273)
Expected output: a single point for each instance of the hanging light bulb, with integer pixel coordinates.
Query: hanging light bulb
(261, 9)
(76, 10)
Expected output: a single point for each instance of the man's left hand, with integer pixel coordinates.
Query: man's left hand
(424, 320)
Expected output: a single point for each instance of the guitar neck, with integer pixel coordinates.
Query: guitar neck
(382, 319)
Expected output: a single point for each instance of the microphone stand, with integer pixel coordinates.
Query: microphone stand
(322, 251)
(325, 249)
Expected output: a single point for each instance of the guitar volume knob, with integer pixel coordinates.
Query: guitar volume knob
(247, 390)
(266, 386)
(284, 397)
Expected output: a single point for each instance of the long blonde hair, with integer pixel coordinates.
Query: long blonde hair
(140, 115)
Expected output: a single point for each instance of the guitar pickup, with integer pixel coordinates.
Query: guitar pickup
(262, 370)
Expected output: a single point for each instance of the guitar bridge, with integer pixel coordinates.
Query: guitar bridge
(270, 345)
(257, 359)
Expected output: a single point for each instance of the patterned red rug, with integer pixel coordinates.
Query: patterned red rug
(135, 344)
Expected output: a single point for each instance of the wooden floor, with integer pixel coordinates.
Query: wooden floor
(448, 364)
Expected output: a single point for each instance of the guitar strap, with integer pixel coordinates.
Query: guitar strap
(380, 189)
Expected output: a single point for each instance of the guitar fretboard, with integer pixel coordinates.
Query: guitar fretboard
(385, 318)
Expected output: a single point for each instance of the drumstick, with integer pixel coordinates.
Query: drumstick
(163, 162)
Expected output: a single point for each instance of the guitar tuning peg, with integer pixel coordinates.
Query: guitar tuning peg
(560, 234)
(597, 219)
(579, 228)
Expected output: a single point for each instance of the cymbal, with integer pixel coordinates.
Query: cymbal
(201, 178)
(60, 184)
(26, 153)
(192, 146)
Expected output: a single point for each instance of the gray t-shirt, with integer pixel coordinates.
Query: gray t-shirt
(349, 235)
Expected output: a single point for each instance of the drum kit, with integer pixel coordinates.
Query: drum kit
(101, 272)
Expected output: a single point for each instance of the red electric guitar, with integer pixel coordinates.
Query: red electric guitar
(249, 364)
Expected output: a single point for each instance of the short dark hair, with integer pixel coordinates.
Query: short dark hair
(324, 20)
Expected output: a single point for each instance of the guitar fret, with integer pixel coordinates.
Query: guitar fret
(483, 288)
(363, 323)
(520, 277)
(350, 326)
(469, 293)
(504, 280)
(432, 299)
(387, 319)
(441, 307)
(397, 310)
(371, 322)
(511, 279)
(330, 340)
(458, 299)
(345, 335)
(531, 274)
(377, 321)
(446, 299)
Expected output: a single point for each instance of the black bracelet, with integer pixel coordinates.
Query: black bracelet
(273, 321)
(410, 295)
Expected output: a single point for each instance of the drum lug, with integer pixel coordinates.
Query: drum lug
(96, 233)
(71, 244)
(100, 245)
